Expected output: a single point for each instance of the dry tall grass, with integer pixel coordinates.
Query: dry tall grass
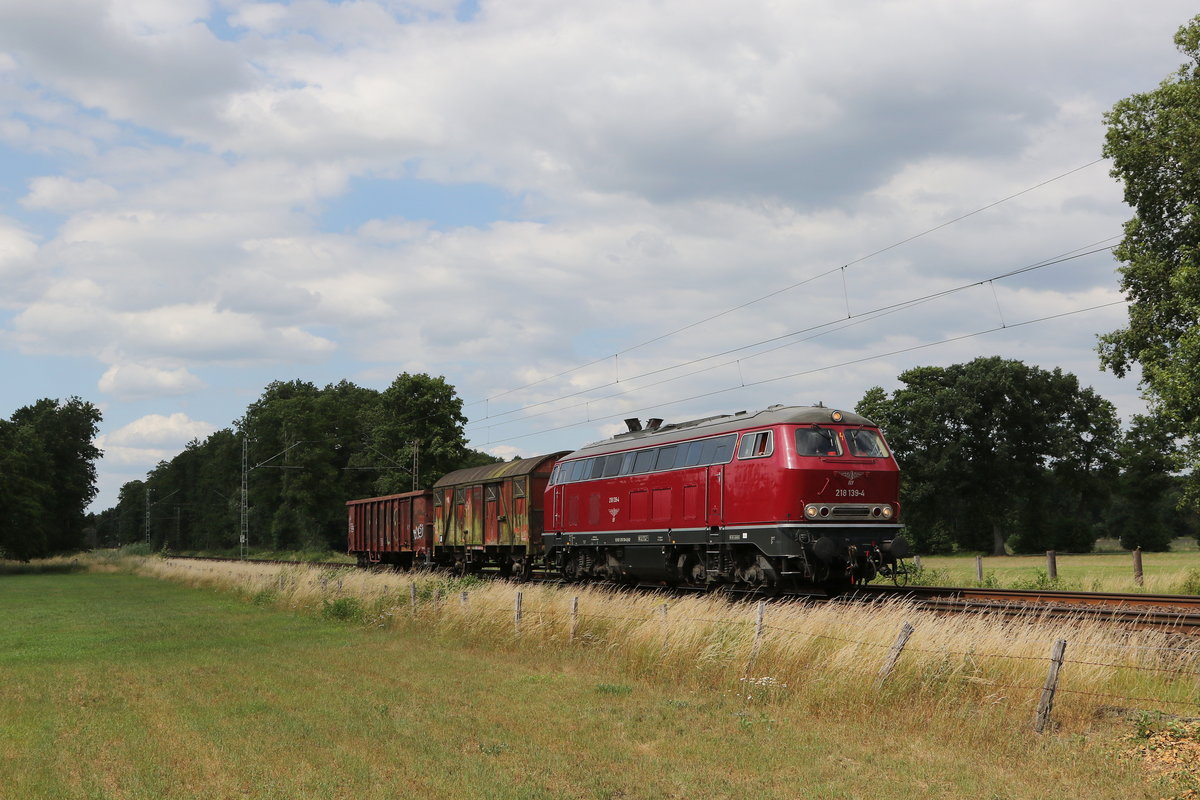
(824, 655)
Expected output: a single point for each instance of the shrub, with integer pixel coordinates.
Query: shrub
(343, 609)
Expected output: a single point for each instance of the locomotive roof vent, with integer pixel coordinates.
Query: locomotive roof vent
(653, 424)
(634, 424)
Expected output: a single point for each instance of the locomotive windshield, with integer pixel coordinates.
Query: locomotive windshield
(817, 441)
(865, 443)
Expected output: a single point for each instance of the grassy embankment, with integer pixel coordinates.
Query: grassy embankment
(117, 686)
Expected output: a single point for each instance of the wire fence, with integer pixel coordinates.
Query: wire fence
(1175, 673)
(1182, 675)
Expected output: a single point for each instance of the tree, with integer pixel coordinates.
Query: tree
(1152, 140)
(47, 476)
(423, 410)
(994, 451)
(1142, 512)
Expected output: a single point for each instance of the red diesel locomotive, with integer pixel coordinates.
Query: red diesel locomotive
(789, 496)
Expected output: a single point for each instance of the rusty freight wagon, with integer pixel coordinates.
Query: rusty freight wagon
(491, 516)
(397, 529)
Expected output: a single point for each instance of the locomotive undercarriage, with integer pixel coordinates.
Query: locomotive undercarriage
(766, 562)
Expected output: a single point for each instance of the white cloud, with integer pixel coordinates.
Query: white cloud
(148, 440)
(62, 194)
(158, 429)
(134, 381)
(18, 255)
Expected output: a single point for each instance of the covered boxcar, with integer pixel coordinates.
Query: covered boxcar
(396, 529)
(790, 495)
(492, 516)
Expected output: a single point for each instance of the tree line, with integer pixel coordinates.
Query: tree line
(307, 451)
(996, 455)
(47, 477)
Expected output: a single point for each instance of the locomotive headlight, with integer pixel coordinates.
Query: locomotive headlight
(811, 512)
(836, 416)
(887, 512)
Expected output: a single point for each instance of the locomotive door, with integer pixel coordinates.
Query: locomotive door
(556, 513)
(715, 508)
(491, 514)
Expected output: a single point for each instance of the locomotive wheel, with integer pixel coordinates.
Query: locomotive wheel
(570, 569)
(694, 572)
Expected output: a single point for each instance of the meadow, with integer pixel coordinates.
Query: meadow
(1174, 572)
(147, 677)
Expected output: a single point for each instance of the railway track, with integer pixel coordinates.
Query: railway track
(1172, 612)
(1175, 612)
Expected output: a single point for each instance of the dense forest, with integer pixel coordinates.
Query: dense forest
(307, 450)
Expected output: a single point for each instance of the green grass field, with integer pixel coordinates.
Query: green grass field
(1174, 572)
(120, 686)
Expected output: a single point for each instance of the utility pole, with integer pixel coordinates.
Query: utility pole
(416, 446)
(245, 529)
(147, 515)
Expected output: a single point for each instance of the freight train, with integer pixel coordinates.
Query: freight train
(783, 498)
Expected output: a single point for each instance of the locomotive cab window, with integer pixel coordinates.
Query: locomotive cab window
(817, 441)
(756, 445)
(865, 443)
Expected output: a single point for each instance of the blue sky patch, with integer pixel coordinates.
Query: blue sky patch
(445, 205)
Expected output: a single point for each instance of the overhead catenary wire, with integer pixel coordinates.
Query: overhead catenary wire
(790, 287)
(821, 328)
(899, 351)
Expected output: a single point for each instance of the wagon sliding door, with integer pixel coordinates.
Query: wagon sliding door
(491, 514)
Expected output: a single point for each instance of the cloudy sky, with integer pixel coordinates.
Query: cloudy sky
(575, 212)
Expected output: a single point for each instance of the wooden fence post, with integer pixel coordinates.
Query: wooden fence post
(462, 599)
(917, 563)
(665, 626)
(1137, 566)
(517, 612)
(893, 655)
(1052, 565)
(574, 616)
(758, 630)
(979, 569)
(412, 596)
(1046, 704)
